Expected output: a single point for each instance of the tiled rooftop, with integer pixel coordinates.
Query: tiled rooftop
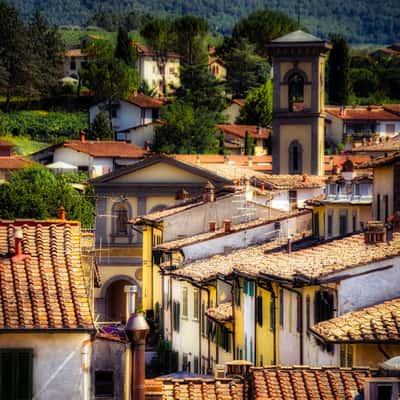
(313, 262)
(386, 146)
(382, 161)
(144, 101)
(15, 162)
(198, 389)
(300, 383)
(221, 313)
(279, 182)
(374, 113)
(377, 324)
(106, 148)
(179, 243)
(45, 289)
(240, 130)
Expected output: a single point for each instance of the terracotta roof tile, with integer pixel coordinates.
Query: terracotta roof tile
(313, 262)
(374, 113)
(221, 313)
(106, 148)
(144, 101)
(394, 108)
(149, 51)
(302, 382)
(382, 161)
(45, 288)
(240, 130)
(280, 182)
(15, 162)
(377, 324)
(386, 146)
(202, 388)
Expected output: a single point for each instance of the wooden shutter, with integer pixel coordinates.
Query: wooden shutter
(259, 307)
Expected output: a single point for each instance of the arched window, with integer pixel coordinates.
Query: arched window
(295, 158)
(296, 92)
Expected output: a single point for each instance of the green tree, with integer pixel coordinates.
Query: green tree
(246, 69)
(47, 50)
(262, 26)
(190, 35)
(258, 106)
(248, 145)
(159, 35)
(124, 49)
(101, 127)
(111, 79)
(339, 71)
(186, 130)
(36, 192)
(15, 55)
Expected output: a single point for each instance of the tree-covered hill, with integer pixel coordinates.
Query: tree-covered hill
(361, 21)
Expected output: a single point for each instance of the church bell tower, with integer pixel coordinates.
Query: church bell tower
(298, 60)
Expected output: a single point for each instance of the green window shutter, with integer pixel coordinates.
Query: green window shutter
(251, 288)
(245, 286)
(259, 306)
(281, 308)
(178, 316)
(272, 314)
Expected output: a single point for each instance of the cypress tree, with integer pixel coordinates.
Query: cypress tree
(124, 49)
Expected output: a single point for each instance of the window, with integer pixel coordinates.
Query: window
(176, 311)
(298, 316)
(259, 309)
(386, 206)
(122, 220)
(154, 114)
(390, 128)
(295, 158)
(354, 221)
(296, 92)
(323, 306)
(185, 363)
(114, 113)
(196, 302)
(272, 319)
(248, 287)
(237, 293)
(330, 223)
(224, 338)
(378, 207)
(308, 314)
(316, 223)
(196, 365)
(104, 383)
(184, 302)
(203, 318)
(72, 64)
(281, 308)
(16, 374)
(342, 222)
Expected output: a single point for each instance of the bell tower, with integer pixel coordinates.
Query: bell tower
(298, 60)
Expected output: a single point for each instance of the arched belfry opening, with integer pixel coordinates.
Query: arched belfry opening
(296, 92)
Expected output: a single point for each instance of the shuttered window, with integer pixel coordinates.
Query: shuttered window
(272, 314)
(176, 309)
(184, 302)
(16, 374)
(259, 309)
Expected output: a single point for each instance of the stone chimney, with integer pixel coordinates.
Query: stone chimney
(18, 236)
(82, 136)
(209, 192)
(212, 225)
(348, 170)
(227, 225)
(61, 213)
(375, 232)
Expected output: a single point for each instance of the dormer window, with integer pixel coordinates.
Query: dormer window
(295, 158)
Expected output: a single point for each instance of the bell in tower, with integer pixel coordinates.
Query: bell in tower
(298, 60)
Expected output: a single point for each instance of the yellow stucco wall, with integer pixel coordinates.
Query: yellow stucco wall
(383, 185)
(238, 318)
(160, 172)
(301, 133)
(264, 335)
(159, 200)
(369, 355)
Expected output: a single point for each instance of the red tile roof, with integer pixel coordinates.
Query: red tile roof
(375, 113)
(394, 108)
(302, 382)
(239, 102)
(377, 324)
(106, 148)
(6, 143)
(202, 388)
(74, 53)
(143, 101)
(284, 182)
(45, 288)
(221, 313)
(382, 160)
(144, 50)
(240, 130)
(15, 162)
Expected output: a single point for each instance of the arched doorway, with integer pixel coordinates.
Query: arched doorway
(114, 298)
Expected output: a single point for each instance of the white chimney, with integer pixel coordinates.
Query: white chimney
(130, 293)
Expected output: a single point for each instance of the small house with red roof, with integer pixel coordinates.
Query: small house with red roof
(92, 156)
(360, 123)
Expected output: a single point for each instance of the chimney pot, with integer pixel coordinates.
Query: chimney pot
(18, 235)
(209, 192)
(82, 137)
(61, 213)
(375, 232)
(262, 186)
(213, 226)
(227, 225)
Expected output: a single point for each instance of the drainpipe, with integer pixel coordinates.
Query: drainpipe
(300, 323)
(85, 366)
(270, 289)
